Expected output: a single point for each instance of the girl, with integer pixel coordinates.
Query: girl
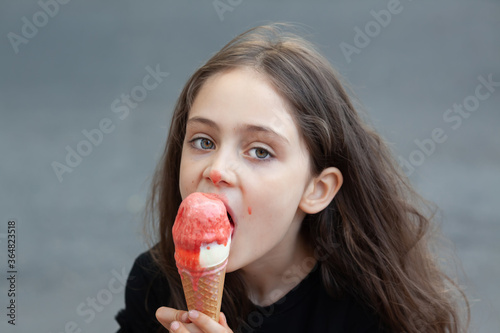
(328, 234)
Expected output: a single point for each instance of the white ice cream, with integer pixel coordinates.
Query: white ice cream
(213, 254)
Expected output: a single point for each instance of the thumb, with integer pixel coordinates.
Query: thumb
(223, 320)
(167, 315)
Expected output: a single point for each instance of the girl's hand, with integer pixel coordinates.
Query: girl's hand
(191, 322)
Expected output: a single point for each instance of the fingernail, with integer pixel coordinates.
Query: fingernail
(184, 317)
(193, 314)
(175, 325)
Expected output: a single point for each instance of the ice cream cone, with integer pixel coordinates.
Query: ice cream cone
(202, 238)
(203, 291)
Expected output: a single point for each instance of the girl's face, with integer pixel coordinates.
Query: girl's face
(242, 143)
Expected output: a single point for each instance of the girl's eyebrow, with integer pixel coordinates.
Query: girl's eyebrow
(204, 121)
(245, 128)
(265, 130)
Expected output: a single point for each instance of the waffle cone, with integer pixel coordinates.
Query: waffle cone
(204, 293)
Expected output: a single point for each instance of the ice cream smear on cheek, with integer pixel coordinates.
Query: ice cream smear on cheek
(202, 234)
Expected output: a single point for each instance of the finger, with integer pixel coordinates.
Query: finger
(178, 327)
(205, 323)
(223, 320)
(166, 316)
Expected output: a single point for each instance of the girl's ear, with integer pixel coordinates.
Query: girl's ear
(321, 191)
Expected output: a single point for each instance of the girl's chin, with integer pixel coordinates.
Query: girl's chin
(232, 264)
(231, 268)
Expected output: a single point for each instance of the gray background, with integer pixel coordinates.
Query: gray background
(74, 235)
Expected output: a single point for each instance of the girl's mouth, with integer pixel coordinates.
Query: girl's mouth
(231, 222)
(223, 198)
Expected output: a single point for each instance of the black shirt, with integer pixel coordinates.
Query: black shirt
(307, 308)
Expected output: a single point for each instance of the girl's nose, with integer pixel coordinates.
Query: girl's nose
(215, 176)
(222, 171)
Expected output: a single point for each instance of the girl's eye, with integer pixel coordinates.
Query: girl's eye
(202, 143)
(260, 153)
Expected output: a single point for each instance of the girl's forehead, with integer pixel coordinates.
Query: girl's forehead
(245, 86)
(247, 97)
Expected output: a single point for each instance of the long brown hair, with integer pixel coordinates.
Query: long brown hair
(376, 228)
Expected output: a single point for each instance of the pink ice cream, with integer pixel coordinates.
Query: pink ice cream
(201, 233)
